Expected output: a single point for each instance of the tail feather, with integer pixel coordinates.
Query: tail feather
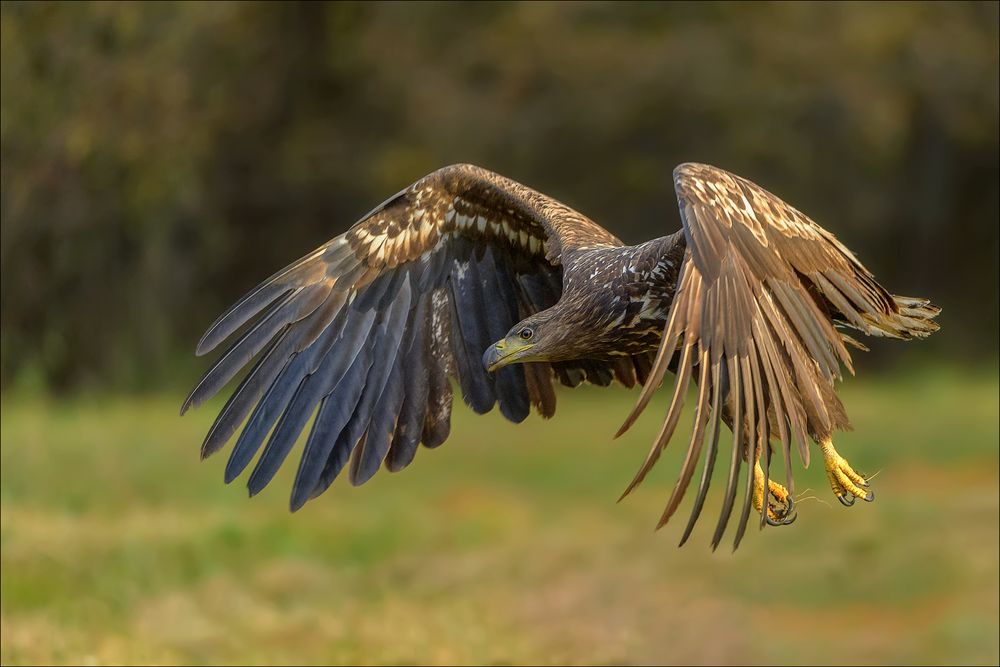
(914, 319)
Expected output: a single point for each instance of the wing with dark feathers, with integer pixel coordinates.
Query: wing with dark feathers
(365, 331)
(753, 322)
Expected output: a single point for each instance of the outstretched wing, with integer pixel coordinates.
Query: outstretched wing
(760, 291)
(369, 327)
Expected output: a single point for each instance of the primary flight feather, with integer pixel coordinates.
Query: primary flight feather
(468, 275)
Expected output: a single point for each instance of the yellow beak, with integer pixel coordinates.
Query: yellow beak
(505, 352)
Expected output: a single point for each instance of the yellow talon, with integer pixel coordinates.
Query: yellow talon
(846, 483)
(779, 510)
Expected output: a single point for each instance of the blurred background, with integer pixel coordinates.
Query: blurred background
(160, 159)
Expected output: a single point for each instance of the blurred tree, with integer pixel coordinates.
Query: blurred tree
(160, 159)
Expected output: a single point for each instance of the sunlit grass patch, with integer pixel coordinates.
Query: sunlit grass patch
(504, 545)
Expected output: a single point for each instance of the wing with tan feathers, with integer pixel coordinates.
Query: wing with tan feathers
(368, 328)
(760, 291)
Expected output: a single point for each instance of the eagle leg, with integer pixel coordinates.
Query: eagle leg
(779, 503)
(847, 484)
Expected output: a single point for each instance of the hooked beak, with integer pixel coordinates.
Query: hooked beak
(504, 352)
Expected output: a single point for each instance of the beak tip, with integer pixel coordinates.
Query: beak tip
(490, 358)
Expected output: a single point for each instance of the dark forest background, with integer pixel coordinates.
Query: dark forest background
(158, 160)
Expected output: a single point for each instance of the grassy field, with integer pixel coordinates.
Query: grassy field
(503, 546)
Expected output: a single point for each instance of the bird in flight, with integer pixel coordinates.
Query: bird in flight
(470, 276)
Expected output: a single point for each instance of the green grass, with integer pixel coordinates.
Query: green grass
(503, 546)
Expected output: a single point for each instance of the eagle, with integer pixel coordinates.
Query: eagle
(467, 276)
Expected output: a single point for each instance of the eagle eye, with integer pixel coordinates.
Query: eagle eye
(526, 333)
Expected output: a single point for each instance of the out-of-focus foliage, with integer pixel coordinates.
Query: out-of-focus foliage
(160, 159)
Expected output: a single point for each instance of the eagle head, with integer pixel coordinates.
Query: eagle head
(556, 334)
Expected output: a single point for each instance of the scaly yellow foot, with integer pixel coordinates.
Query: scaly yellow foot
(846, 483)
(779, 503)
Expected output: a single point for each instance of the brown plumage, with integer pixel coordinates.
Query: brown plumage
(466, 269)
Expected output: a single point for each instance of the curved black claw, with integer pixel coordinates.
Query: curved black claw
(784, 514)
(870, 497)
(784, 520)
(844, 500)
